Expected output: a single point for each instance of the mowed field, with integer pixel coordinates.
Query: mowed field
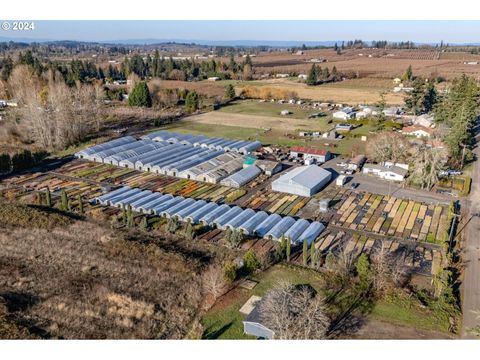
(247, 120)
(354, 91)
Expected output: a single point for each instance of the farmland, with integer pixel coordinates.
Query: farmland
(245, 115)
(373, 63)
(354, 91)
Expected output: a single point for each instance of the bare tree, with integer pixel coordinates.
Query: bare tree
(388, 146)
(388, 269)
(294, 312)
(52, 114)
(213, 281)
(428, 163)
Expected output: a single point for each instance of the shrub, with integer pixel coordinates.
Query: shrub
(250, 261)
(230, 272)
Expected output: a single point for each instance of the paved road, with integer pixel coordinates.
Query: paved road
(471, 256)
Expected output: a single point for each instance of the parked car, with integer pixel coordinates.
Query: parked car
(354, 185)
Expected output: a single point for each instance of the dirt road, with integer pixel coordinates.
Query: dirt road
(471, 256)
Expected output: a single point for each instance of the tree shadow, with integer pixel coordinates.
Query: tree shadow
(211, 334)
(18, 303)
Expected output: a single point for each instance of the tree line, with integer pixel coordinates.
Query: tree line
(20, 161)
(184, 69)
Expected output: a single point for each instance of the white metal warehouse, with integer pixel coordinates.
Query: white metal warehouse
(303, 180)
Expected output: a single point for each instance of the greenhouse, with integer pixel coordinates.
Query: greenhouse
(248, 221)
(242, 177)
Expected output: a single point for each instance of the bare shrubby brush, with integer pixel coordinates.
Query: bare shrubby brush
(86, 282)
(294, 312)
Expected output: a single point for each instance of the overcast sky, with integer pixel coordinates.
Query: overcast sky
(418, 31)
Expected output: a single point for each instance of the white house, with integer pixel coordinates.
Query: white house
(302, 77)
(392, 173)
(346, 113)
(213, 78)
(417, 131)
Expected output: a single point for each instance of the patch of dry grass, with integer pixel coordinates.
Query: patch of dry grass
(82, 281)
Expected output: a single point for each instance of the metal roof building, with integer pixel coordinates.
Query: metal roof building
(297, 229)
(276, 232)
(242, 177)
(148, 207)
(169, 203)
(103, 198)
(171, 211)
(195, 217)
(146, 146)
(240, 219)
(249, 226)
(182, 214)
(222, 220)
(247, 221)
(312, 232)
(207, 219)
(247, 149)
(144, 200)
(266, 225)
(303, 180)
(86, 153)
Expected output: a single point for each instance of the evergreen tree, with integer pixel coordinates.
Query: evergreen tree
(312, 76)
(48, 197)
(458, 110)
(192, 101)
(408, 75)
(230, 92)
(430, 98)
(305, 252)
(124, 215)
(230, 272)
(5, 163)
(414, 100)
(172, 225)
(325, 73)
(288, 248)
(140, 95)
(232, 65)
(130, 218)
(250, 261)
(189, 231)
(80, 204)
(334, 72)
(364, 272)
(144, 224)
(64, 201)
(313, 255)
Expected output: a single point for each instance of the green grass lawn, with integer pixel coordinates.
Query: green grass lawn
(224, 321)
(407, 311)
(344, 146)
(266, 109)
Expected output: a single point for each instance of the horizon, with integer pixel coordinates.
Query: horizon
(247, 32)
